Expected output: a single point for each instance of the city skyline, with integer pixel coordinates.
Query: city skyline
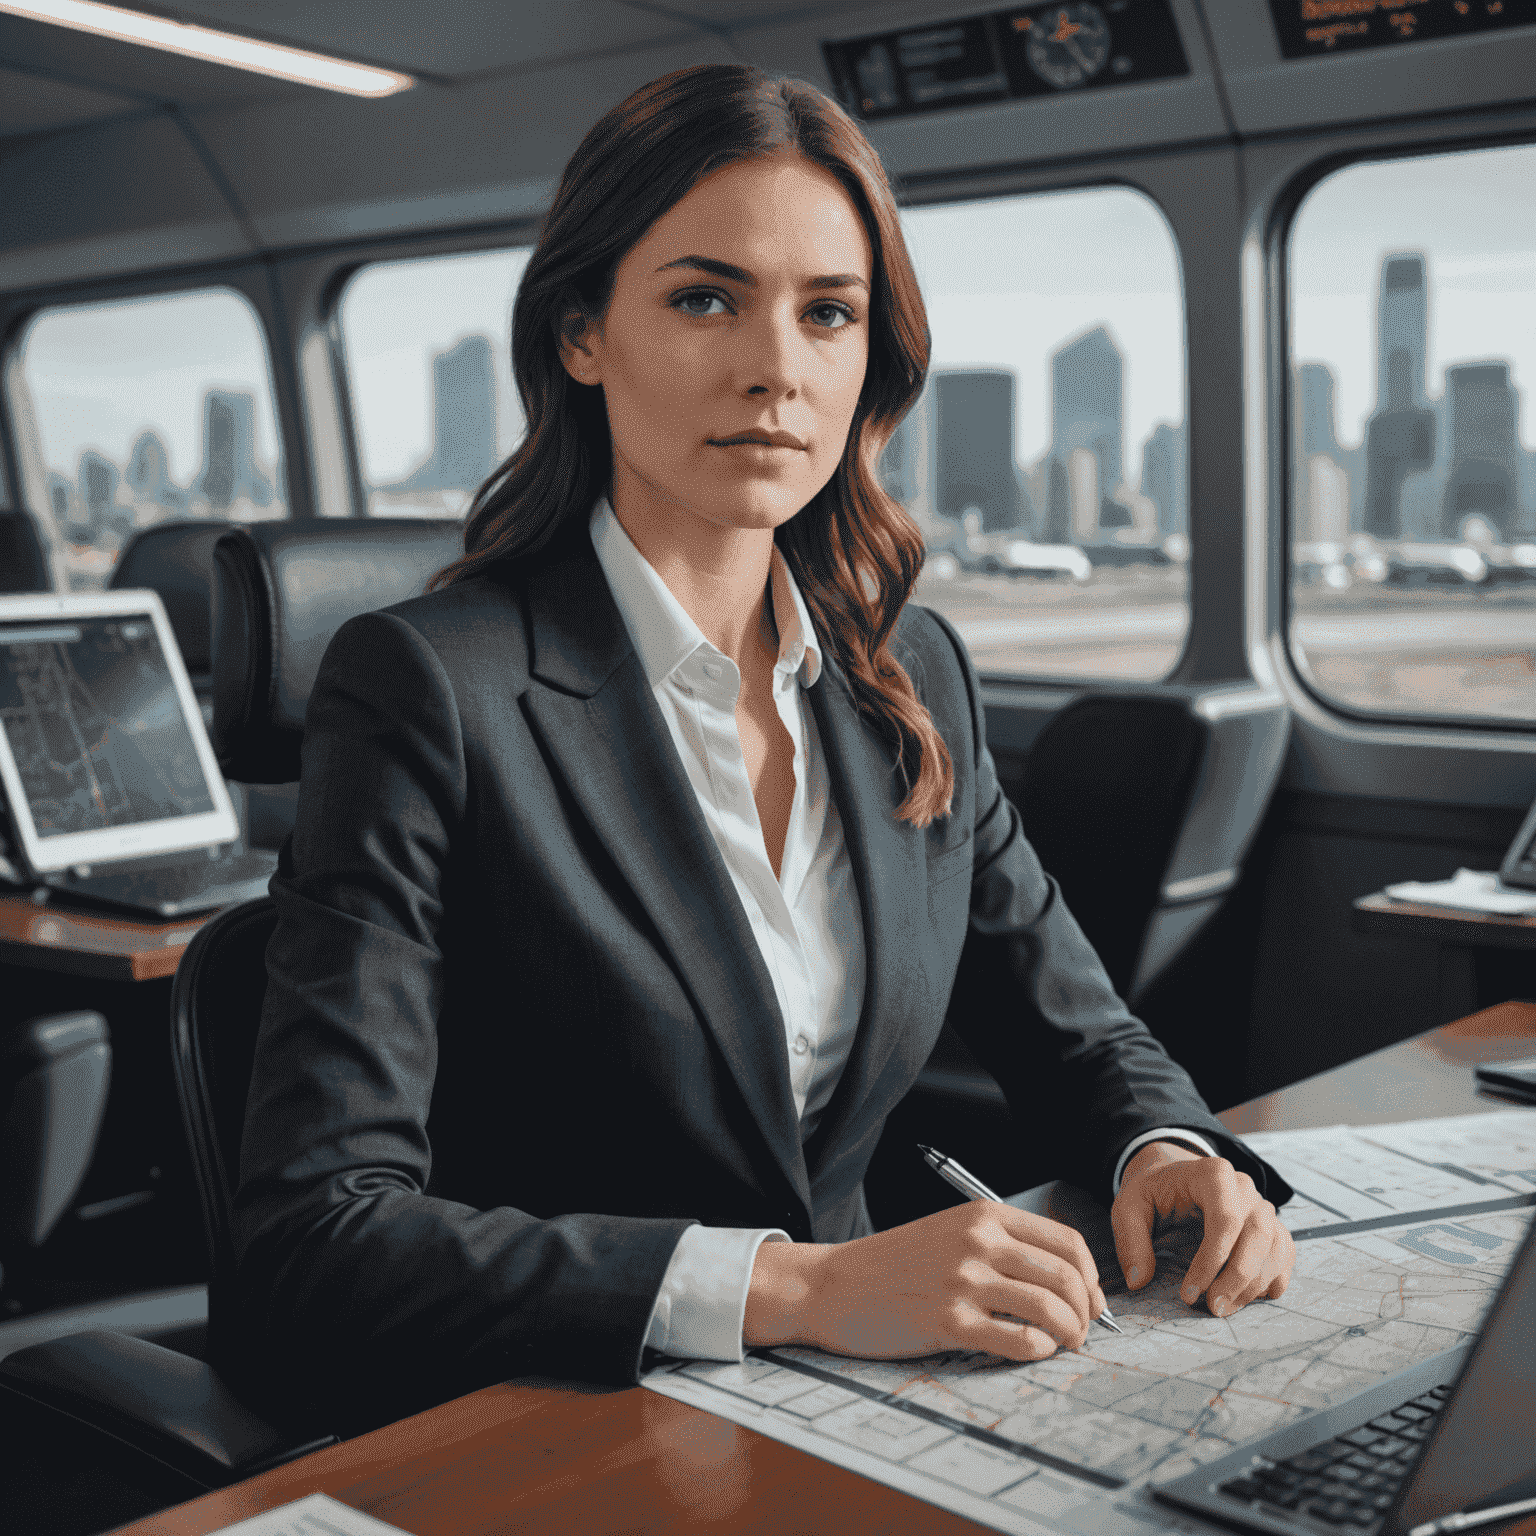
(1431, 466)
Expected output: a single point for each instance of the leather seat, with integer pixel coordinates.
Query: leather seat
(281, 590)
(24, 562)
(54, 1073)
(175, 560)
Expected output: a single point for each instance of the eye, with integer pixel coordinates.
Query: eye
(696, 301)
(831, 317)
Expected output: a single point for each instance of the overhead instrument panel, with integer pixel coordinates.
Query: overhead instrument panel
(1310, 28)
(1027, 50)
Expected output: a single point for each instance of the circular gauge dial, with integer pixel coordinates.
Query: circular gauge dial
(1068, 45)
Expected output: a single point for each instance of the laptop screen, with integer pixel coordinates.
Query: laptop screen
(1483, 1450)
(104, 757)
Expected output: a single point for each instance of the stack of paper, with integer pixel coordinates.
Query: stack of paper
(1468, 888)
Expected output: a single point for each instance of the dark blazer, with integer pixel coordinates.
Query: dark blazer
(518, 1034)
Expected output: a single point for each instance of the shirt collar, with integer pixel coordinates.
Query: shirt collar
(663, 633)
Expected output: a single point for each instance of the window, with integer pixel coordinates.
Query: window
(1047, 460)
(144, 410)
(1413, 508)
(427, 347)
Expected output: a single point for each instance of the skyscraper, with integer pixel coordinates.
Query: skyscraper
(148, 475)
(1165, 476)
(974, 424)
(1485, 449)
(1088, 411)
(463, 421)
(229, 472)
(1402, 318)
(1316, 422)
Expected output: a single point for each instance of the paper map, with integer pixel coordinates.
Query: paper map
(1403, 1234)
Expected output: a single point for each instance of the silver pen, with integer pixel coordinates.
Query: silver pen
(973, 1189)
(1467, 1519)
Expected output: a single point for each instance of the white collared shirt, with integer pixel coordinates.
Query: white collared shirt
(807, 920)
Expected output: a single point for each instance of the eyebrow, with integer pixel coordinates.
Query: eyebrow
(740, 274)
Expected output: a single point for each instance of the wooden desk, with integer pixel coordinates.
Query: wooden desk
(84, 944)
(1481, 959)
(559, 1458)
(1379, 913)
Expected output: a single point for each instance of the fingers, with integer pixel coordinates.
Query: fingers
(1029, 1231)
(1010, 1337)
(1225, 1202)
(1023, 1263)
(1131, 1216)
(1047, 1310)
(1249, 1269)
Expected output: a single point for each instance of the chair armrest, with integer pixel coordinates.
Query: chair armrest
(164, 1405)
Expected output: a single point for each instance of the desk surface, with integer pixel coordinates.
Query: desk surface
(568, 1459)
(1380, 913)
(84, 944)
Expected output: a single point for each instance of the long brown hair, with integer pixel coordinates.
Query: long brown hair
(853, 549)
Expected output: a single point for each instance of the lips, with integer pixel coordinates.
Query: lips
(763, 439)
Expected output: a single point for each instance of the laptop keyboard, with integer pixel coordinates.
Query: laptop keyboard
(1349, 1481)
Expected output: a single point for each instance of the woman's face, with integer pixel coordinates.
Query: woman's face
(732, 351)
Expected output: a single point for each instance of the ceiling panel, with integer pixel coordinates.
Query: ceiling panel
(1066, 126)
(733, 14)
(1270, 93)
(146, 74)
(492, 149)
(115, 198)
(34, 104)
(448, 39)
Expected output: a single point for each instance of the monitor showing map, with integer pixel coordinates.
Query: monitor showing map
(103, 752)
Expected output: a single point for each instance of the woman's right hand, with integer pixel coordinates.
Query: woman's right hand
(934, 1284)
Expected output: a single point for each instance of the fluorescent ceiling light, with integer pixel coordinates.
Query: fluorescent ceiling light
(220, 47)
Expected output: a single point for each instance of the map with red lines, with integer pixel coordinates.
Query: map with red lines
(1403, 1236)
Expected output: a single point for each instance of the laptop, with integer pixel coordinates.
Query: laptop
(1454, 1434)
(113, 791)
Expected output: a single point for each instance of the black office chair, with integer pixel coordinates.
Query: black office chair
(175, 560)
(1107, 789)
(274, 611)
(54, 1073)
(24, 563)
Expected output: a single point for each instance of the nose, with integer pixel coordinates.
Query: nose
(771, 354)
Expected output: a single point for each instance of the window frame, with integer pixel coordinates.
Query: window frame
(1279, 546)
(249, 281)
(523, 235)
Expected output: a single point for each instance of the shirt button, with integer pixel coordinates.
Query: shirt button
(802, 1045)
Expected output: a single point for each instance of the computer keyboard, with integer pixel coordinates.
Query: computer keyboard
(1351, 1480)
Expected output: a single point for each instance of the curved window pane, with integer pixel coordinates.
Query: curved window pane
(1047, 460)
(149, 409)
(429, 371)
(1413, 515)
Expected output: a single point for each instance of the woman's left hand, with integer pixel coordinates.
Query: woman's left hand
(1246, 1253)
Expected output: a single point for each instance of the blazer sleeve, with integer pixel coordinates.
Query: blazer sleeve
(1041, 1014)
(349, 1271)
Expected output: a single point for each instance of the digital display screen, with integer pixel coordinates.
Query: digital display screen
(1027, 50)
(95, 725)
(1309, 28)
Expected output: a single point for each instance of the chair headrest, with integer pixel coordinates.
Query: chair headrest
(281, 590)
(176, 560)
(23, 557)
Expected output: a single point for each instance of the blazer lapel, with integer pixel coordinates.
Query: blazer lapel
(891, 876)
(599, 721)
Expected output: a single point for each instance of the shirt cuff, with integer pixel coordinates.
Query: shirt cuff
(702, 1302)
(1186, 1138)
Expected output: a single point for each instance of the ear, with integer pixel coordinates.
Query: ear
(578, 339)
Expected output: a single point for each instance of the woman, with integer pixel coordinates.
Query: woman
(633, 863)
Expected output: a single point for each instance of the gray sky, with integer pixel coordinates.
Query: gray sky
(1473, 215)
